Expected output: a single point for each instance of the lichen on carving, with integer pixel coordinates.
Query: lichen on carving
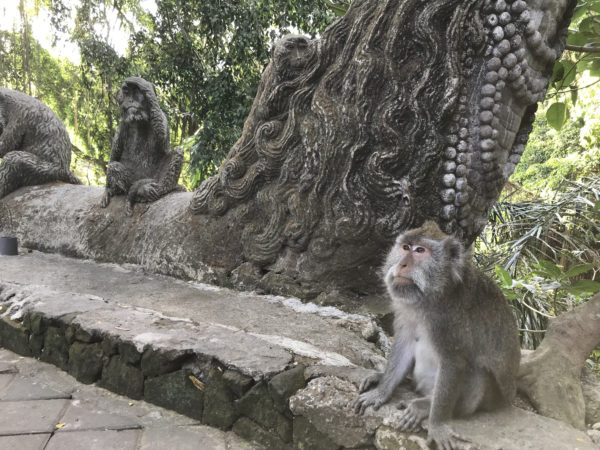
(34, 144)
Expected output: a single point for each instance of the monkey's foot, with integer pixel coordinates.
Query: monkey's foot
(105, 199)
(414, 415)
(148, 192)
(444, 438)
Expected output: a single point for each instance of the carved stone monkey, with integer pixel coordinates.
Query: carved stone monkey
(141, 164)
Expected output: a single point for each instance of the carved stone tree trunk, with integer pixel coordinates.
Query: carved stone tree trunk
(404, 110)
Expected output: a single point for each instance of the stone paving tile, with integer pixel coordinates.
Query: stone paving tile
(95, 440)
(83, 416)
(93, 416)
(24, 442)
(35, 416)
(191, 438)
(31, 388)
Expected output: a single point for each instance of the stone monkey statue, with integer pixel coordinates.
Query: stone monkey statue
(34, 144)
(141, 164)
(455, 336)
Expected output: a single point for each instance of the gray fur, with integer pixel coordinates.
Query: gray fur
(141, 164)
(34, 144)
(455, 336)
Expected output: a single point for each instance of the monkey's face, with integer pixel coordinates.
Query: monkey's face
(133, 103)
(290, 55)
(406, 269)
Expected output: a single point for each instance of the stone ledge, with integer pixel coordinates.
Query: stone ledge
(273, 370)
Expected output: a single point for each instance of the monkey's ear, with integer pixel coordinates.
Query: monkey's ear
(456, 257)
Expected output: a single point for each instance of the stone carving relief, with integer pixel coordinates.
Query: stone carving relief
(34, 144)
(141, 164)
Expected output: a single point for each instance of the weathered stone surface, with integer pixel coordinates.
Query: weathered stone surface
(189, 438)
(129, 353)
(387, 438)
(34, 147)
(327, 403)
(22, 389)
(42, 416)
(86, 361)
(27, 442)
(203, 317)
(219, 410)
(14, 337)
(284, 385)
(591, 395)
(306, 436)
(56, 348)
(155, 362)
(258, 405)
(122, 378)
(251, 431)
(95, 440)
(175, 391)
(237, 383)
(86, 417)
(5, 379)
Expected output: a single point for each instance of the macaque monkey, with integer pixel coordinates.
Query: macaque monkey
(455, 336)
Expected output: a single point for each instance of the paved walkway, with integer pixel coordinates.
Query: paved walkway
(42, 407)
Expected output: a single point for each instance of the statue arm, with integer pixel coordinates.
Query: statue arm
(158, 119)
(10, 139)
(117, 148)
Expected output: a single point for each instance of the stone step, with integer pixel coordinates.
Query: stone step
(272, 369)
(62, 413)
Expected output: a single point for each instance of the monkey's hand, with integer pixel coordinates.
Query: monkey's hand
(148, 192)
(105, 199)
(374, 398)
(370, 382)
(444, 438)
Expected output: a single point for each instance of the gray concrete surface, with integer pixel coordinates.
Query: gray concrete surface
(41, 407)
(269, 327)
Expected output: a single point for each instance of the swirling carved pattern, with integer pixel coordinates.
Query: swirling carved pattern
(404, 110)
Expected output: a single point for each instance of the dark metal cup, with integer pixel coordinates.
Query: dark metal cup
(8, 246)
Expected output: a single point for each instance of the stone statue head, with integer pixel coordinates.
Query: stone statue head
(133, 98)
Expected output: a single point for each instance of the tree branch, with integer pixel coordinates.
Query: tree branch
(81, 154)
(580, 48)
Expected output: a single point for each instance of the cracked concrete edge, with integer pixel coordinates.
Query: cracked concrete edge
(206, 371)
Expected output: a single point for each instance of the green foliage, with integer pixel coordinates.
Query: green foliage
(546, 254)
(205, 58)
(579, 66)
(339, 7)
(543, 293)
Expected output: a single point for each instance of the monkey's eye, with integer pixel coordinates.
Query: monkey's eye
(420, 249)
(406, 247)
